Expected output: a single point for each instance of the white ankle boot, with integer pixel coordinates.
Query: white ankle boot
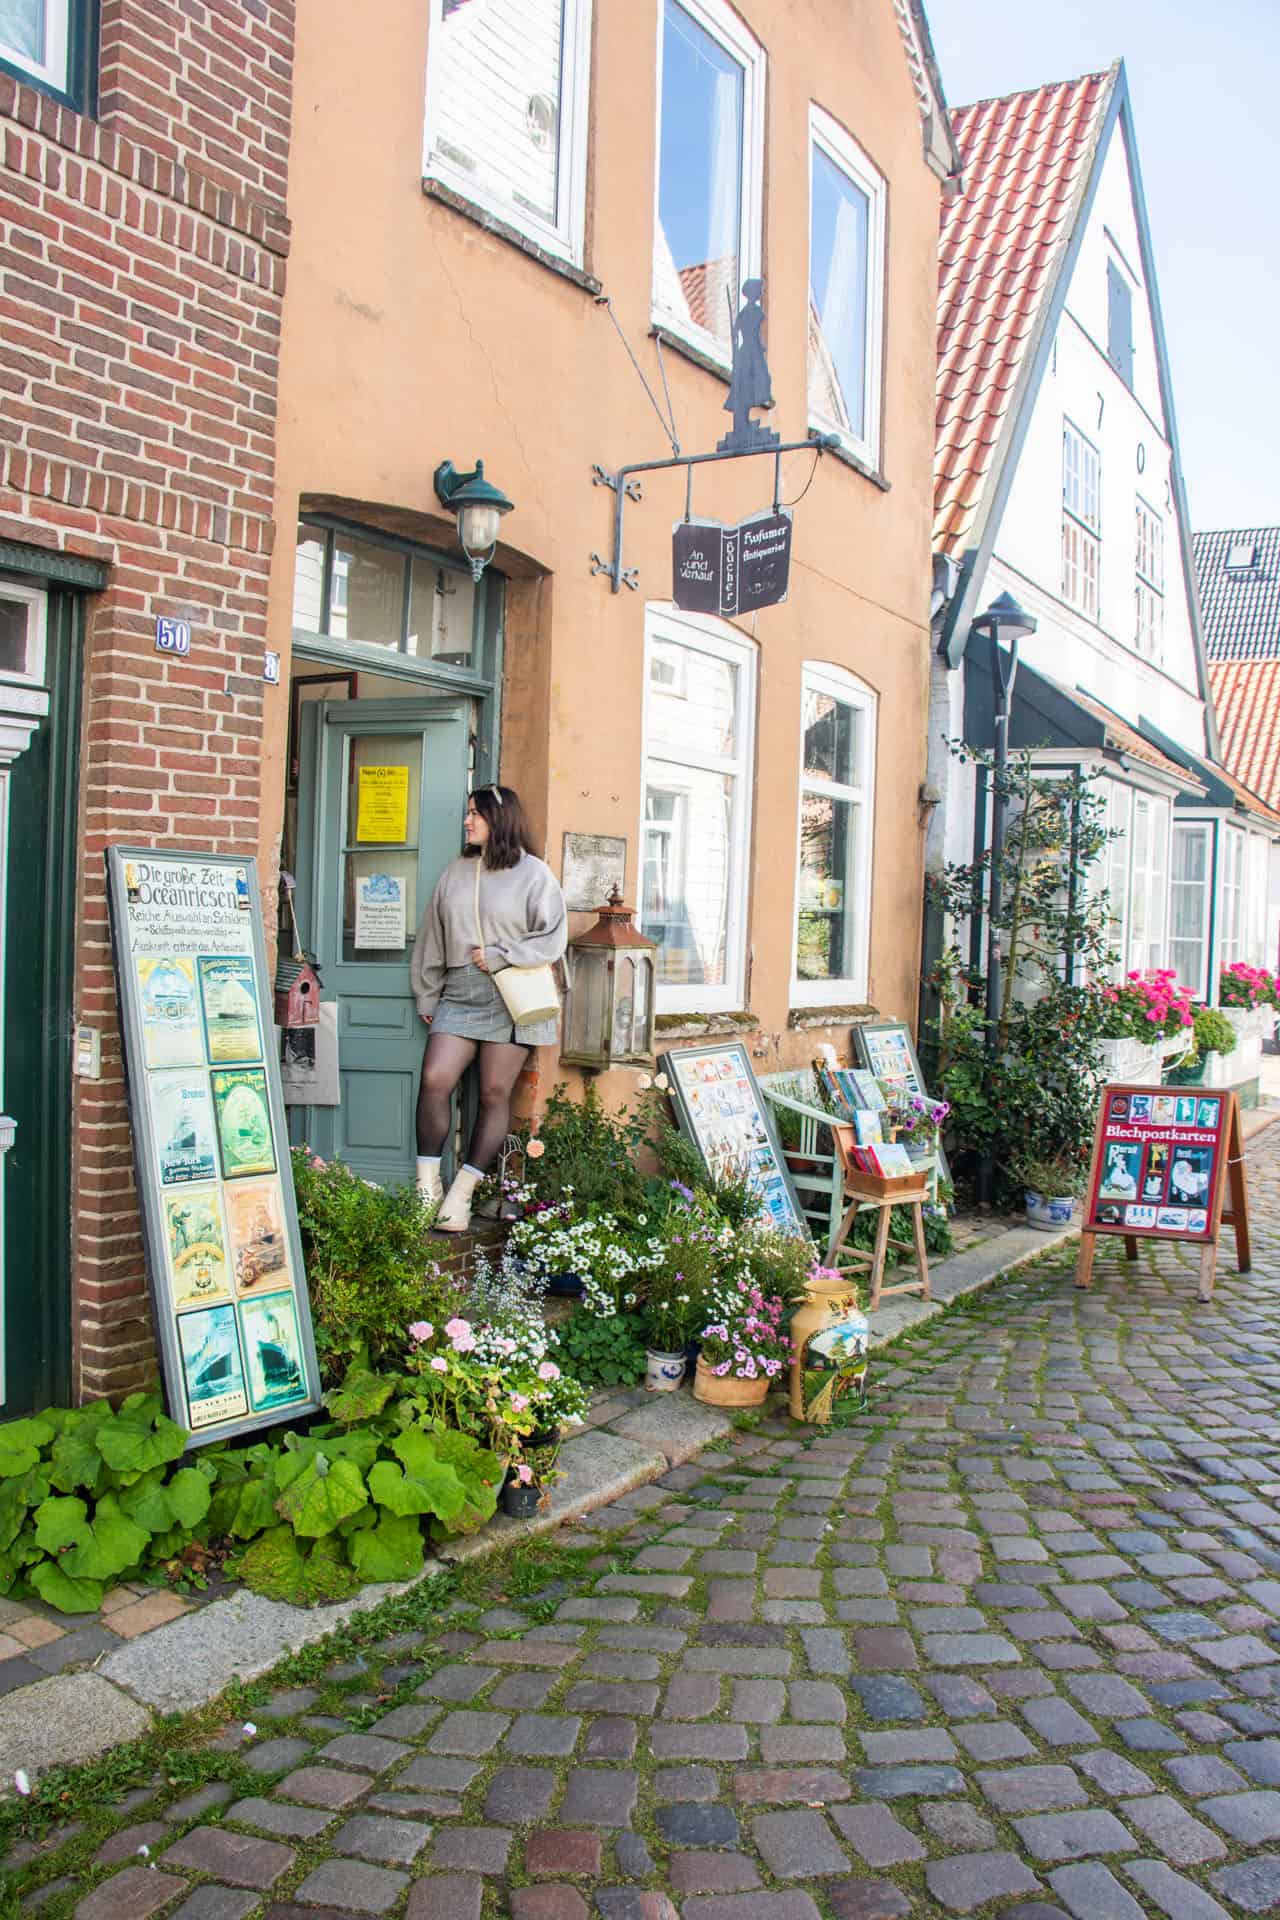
(430, 1185)
(455, 1215)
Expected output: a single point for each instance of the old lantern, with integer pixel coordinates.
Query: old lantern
(608, 1019)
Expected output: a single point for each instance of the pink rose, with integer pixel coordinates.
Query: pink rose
(535, 1150)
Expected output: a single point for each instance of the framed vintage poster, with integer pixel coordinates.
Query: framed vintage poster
(210, 1142)
(1164, 1160)
(722, 1110)
(884, 1049)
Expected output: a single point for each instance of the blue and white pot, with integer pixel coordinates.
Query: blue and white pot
(1049, 1214)
(663, 1372)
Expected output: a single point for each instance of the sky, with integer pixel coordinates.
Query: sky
(1205, 85)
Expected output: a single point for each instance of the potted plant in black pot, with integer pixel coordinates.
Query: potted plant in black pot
(531, 1475)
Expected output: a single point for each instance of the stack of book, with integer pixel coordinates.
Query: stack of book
(886, 1160)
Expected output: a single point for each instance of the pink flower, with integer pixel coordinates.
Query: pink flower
(518, 1402)
(548, 1370)
(535, 1150)
(439, 1364)
(421, 1330)
(722, 1369)
(456, 1326)
(524, 1474)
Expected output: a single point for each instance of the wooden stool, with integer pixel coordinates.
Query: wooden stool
(865, 1191)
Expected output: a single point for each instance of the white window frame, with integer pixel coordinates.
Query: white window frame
(1231, 933)
(36, 601)
(720, 21)
(830, 138)
(851, 692)
(563, 237)
(1148, 566)
(1255, 901)
(53, 71)
(708, 635)
(1153, 878)
(1200, 985)
(1081, 520)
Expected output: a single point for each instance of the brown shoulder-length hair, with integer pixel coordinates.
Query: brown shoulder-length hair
(508, 828)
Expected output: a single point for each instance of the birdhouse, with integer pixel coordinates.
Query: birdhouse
(609, 1010)
(297, 994)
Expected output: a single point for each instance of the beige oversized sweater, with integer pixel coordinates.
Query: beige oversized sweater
(522, 912)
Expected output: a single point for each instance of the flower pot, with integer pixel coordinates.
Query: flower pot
(542, 1437)
(1132, 1061)
(919, 1152)
(724, 1390)
(829, 1338)
(663, 1372)
(565, 1285)
(1049, 1214)
(520, 1503)
(800, 1162)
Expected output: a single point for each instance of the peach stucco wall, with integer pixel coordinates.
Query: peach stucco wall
(412, 334)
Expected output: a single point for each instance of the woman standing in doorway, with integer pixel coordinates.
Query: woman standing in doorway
(521, 915)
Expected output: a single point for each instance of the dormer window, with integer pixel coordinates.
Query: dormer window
(1242, 556)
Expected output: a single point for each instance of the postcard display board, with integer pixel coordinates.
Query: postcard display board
(1163, 1163)
(228, 1290)
(885, 1050)
(722, 1110)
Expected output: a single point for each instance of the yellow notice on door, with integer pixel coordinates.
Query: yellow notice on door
(382, 803)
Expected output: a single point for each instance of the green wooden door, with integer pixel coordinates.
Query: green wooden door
(37, 902)
(382, 791)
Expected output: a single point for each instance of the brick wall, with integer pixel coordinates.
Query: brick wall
(142, 265)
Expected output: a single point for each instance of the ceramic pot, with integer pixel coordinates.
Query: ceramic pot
(830, 1306)
(723, 1390)
(1049, 1214)
(663, 1372)
(520, 1503)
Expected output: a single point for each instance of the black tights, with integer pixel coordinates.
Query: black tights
(447, 1058)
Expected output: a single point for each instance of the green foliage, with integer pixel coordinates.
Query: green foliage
(1214, 1032)
(605, 1352)
(590, 1153)
(371, 1266)
(733, 1200)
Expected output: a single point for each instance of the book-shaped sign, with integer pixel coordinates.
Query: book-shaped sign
(210, 1142)
(720, 1108)
(731, 570)
(1163, 1163)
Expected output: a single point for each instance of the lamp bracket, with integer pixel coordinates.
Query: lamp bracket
(624, 487)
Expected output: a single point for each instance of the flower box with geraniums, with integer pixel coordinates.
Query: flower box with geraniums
(744, 1349)
(1147, 1023)
(1248, 997)
(1052, 1189)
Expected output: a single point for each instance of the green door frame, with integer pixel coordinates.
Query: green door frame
(40, 914)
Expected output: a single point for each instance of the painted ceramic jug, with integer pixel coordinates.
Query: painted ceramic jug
(829, 1339)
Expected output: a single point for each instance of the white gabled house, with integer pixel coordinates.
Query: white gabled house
(1058, 482)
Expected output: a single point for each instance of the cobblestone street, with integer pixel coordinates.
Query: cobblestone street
(1009, 1644)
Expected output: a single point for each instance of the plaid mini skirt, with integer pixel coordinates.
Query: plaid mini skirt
(472, 1008)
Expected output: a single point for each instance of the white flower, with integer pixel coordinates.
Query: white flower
(250, 1729)
(21, 1782)
(661, 1082)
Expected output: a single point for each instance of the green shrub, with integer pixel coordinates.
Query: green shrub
(1214, 1032)
(589, 1153)
(371, 1264)
(605, 1352)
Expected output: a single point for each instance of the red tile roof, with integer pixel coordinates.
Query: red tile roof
(1026, 158)
(1127, 739)
(1247, 696)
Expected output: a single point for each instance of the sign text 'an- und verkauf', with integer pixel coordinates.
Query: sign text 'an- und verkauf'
(731, 570)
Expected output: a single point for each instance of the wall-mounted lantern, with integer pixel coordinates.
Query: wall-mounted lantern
(479, 507)
(608, 1018)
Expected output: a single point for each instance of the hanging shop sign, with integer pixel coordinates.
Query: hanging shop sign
(720, 1107)
(211, 1150)
(731, 570)
(1163, 1166)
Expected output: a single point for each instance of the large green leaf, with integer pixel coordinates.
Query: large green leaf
(361, 1395)
(58, 1589)
(276, 1567)
(362, 1447)
(17, 1495)
(425, 1485)
(90, 1549)
(21, 1444)
(140, 1436)
(390, 1551)
(147, 1502)
(76, 1461)
(254, 1511)
(189, 1495)
(322, 1495)
(480, 1472)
